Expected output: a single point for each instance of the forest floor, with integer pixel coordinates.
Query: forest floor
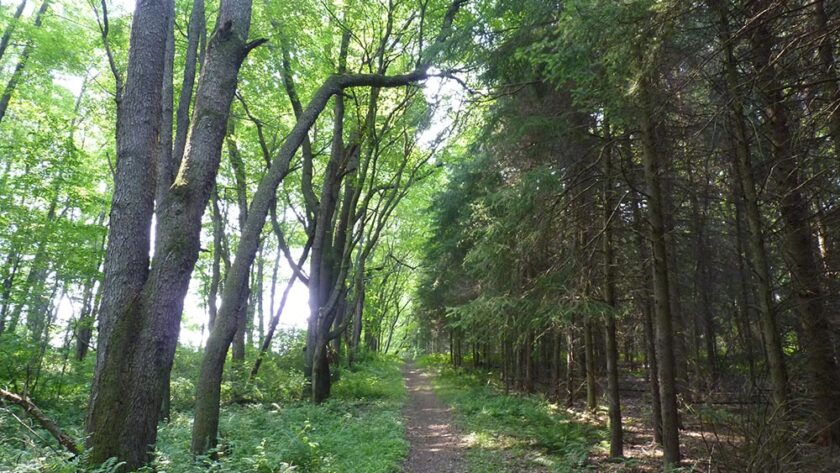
(436, 445)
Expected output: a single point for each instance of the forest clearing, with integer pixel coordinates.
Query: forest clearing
(420, 236)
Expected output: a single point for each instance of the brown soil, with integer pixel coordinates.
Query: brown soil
(436, 446)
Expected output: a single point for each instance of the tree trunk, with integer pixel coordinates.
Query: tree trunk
(216, 267)
(653, 166)
(7, 35)
(205, 426)
(34, 301)
(743, 309)
(17, 74)
(358, 310)
(165, 162)
(798, 237)
(756, 251)
(84, 326)
(591, 382)
(143, 317)
(616, 433)
(830, 88)
(570, 365)
(260, 283)
(195, 31)
(238, 351)
(272, 327)
(321, 264)
(11, 270)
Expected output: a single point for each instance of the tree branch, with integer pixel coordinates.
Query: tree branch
(63, 439)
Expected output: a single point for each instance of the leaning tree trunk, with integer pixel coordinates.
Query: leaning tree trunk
(205, 427)
(206, 423)
(7, 35)
(23, 59)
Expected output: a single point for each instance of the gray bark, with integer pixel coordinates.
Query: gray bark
(196, 30)
(165, 163)
(130, 383)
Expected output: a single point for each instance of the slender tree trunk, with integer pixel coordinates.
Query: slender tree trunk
(216, 268)
(273, 292)
(37, 306)
(358, 310)
(10, 29)
(310, 200)
(756, 251)
(702, 287)
(616, 433)
(272, 327)
(17, 74)
(830, 88)
(556, 370)
(653, 167)
(166, 165)
(11, 267)
(653, 372)
(90, 305)
(195, 31)
(165, 162)
(743, 309)
(682, 367)
(258, 294)
(647, 320)
(570, 365)
(591, 382)
(238, 351)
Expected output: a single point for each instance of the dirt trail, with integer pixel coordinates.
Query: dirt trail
(436, 446)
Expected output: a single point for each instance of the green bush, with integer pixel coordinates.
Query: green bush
(372, 378)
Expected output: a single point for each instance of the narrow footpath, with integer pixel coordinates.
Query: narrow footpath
(436, 446)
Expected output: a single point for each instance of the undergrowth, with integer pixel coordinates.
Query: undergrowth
(510, 433)
(358, 430)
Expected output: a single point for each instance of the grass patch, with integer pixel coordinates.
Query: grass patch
(507, 432)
